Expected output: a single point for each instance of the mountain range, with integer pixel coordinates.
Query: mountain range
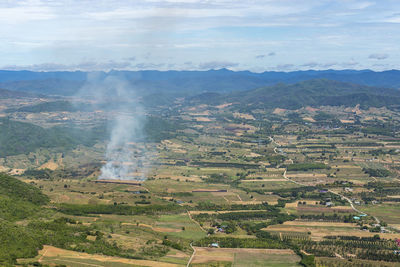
(316, 92)
(186, 82)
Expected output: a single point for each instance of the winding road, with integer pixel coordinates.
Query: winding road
(341, 196)
(191, 257)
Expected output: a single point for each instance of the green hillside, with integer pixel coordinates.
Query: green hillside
(312, 93)
(17, 190)
(18, 201)
(20, 137)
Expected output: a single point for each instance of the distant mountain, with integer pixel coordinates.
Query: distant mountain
(24, 75)
(187, 82)
(15, 94)
(48, 86)
(208, 97)
(54, 106)
(315, 92)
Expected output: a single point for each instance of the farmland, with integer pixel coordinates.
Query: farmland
(245, 257)
(256, 188)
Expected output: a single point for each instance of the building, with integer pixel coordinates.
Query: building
(214, 245)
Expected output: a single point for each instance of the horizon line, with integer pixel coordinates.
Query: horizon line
(193, 70)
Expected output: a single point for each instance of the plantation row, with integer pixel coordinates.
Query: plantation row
(306, 166)
(362, 249)
(230, 242)
(286, 236)
(239, 216)
(224, 165)
(87, 209)
(224, 207)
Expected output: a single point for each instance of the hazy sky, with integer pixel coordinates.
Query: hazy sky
(199, 34)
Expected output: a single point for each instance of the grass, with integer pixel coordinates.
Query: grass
(270, 260)
(268, 185)
(192, 230)
(389, 213)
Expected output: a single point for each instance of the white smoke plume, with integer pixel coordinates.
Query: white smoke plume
(124, 160)
(125, 156)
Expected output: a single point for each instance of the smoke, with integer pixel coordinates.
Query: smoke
(124, 159)
(126, 155)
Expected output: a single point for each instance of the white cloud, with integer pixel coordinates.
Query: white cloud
(200, 31)
(360, 4)
(217, 65)
(378, 56)
(149, 66)
(84, 66)
(23, 14)
(284, 67)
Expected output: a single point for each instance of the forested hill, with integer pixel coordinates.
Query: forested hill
(21, 137)
(15, 94)
(308, 93)
(18, 201)
(19, 191)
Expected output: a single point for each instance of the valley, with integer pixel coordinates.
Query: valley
(219, 183)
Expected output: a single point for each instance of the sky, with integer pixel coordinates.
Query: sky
(255, 35)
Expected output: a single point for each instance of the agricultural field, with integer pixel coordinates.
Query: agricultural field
(305, 187)
(245, 257)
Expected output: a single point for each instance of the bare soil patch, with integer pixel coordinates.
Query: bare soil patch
(309, 119)
(279, 111)
(51, 165)
(243, 116)
(204, 255)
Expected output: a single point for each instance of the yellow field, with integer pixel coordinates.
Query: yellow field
(319, 230)
(245, 256)
(306, 175)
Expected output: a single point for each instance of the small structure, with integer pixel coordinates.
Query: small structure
(356, 218)
(398, 242)
(214, 245)
(134, 192)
